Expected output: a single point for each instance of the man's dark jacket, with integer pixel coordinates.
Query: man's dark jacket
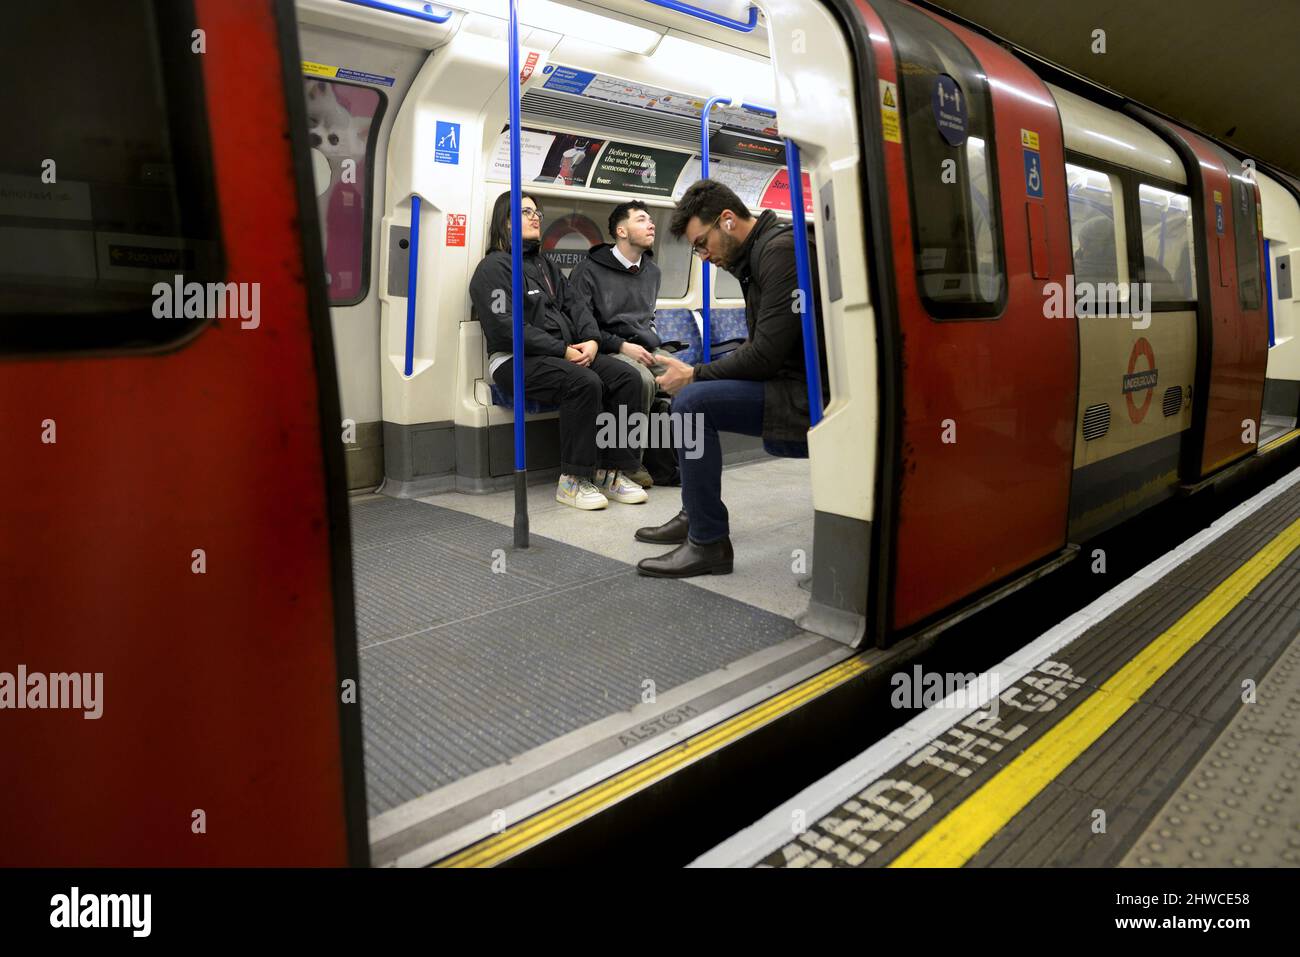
(773, 353)
(621, 302)
(552, 322)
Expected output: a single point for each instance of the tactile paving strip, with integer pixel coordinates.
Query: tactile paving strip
(1135, 764)
(1239, 807)
(464, 667)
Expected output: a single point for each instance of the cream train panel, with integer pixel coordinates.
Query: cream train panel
(1281, 215)
(1111, 353)
(1097, 131)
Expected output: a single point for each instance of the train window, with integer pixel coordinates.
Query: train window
(573, 226)
(106, 185)
(1168, 254)
(1097, 227)
(1246, 225)
(948, 120)
(342, 128)
(725, 285)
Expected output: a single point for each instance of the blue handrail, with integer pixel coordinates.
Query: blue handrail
(1268, 295)
(517, 288)
(709, 16)
(706, 333)
(425, 13)
(412, 282)
(811, 351)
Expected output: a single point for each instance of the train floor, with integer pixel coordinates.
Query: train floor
(1157, 726)
(494, 678)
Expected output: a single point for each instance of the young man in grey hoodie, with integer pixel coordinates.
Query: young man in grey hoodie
(618, 284)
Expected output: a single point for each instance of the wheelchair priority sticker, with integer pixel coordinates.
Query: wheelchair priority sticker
(1033, 164)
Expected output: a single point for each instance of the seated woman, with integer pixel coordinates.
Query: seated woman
(561, 364)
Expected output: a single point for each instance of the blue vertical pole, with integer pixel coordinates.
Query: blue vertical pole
(1268, 295)
(412, 283)
(707, 332)
(811, 351)
(517, 287)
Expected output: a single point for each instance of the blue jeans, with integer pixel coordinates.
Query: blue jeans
(726, 405)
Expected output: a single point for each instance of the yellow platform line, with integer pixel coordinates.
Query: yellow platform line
(540, 827)
(1280, 440)
(973, 823)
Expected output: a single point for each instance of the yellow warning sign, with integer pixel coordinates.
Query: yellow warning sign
(1218, 197)
(889, 112)
(1029, 139)
(318, 69)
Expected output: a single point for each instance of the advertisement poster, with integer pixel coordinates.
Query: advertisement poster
(746, 179)
(625, 168)
(564, 159)
(338, 130)
(777, 195)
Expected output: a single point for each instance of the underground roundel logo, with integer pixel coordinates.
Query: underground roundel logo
(567, 240)
(1140, 379)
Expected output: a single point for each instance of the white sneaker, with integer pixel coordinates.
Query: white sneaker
(620, 488)
(579, 493)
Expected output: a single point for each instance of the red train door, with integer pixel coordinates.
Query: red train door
(1232, 317)
(987, 381)
(174, 561)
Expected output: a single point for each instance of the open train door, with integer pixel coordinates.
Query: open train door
(179, 656)
(1232, 312)
(980, 380)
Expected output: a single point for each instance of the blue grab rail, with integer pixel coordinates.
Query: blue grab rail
(811, 350)
(1268, 295)
(412, 283)
(425, 12)
(517, 288)
(706, 333)
(709, 16)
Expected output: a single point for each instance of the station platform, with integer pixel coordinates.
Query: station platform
(1155, 727)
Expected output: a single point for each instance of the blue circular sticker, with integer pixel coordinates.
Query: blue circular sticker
(950, 112)
(548, 68)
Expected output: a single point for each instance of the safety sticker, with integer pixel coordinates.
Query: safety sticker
(889, 112)
(340, 73)
(951, 113)
(446, 148)
(529, 65)
(1033, 164)
(456, 223)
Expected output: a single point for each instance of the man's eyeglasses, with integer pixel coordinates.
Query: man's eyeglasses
(527, 212)
(698, 247)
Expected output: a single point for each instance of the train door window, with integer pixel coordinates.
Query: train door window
(1097, 227)
(948, 117)
(1168, 253)
(107, 198)
(572, 226)
(1246, 228)
(342, 128)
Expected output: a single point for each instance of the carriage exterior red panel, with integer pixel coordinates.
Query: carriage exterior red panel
(1238, 346)
(988, 404)
(219, 689)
